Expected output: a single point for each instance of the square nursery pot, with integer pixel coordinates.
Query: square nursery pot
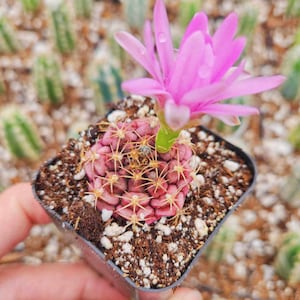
(145, 261)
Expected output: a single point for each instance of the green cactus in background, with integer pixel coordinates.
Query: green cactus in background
(290, 190)
(287, 261)
(20, 135)
(294, 136)
(290, 88)
(83, 8)
(107, 86)
(135, 12)
(222, 244)
(63, 31)
(2, 87)
(31, 5)
(293, 8)
(47, 79)
(187, 10)
(248, 22)
(8, 40)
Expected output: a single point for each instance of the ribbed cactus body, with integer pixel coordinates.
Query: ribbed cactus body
(248, 22)
(83, 8)
(31, 5)
(47, 79)
(290, 88)
(135, 12)
(287, 262)
(187, 10)
(107, 85)
(221, 245)
(63, 31)
(8, 39)
(20, 135)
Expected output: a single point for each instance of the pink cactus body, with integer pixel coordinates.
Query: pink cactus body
(128, 176)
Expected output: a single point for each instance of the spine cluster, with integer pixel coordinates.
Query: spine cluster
(128, 177)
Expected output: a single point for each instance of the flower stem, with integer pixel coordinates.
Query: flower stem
(165, 138)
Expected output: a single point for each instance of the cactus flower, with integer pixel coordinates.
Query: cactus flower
(192, 80)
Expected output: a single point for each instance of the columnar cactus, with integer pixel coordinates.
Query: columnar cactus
(135, 12)
(290, 89)
(8, 40)
(187, 9)
(287, 262)
(129, 178)
(294, 136)
(63, 31)
(20, 135)
(47, 79)
(106, 78)
(222, 244)
(83, 8)
(31, 5)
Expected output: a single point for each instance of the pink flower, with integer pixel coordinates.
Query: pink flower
(193, 80)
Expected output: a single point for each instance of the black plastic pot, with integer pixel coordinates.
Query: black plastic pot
(113, 273)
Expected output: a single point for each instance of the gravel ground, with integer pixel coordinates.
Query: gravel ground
(247, 271)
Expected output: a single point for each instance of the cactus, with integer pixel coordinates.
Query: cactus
(31, 5)
(135, 12)
(294, 136)
(293, 8)
(8, 40)
(62, 28)
(106, 79)
(287, 261)
(47, 79)
(2, 87)
(127, 176)
(290, 190)
(83, 8)
(20, 135)
(187, 9)
(290, 88)
(222, 244)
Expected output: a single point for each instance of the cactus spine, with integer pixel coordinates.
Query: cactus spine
(83, 8)
(8, 40)
(63, 31)
(31, 5)
(47, 79)
(135, 12)
(287, 261)
(20, 135)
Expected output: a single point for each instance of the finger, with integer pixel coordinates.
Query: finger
(186, 293)
(18, 212)
(54, 281)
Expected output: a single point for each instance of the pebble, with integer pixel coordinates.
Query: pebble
(116, 115)
(125, 237)
(166, 230)
(201, 227)
(113, 230)
(106, 214)
(231, 165)
(106, 243)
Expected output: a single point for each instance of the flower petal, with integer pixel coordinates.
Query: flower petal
(198, 23)
(228, 110)
(143, 87)
(226, 31)
(163, 39)
(226, 57)
(176, 115)
(251, 86)
(137, 50)
(187, 62)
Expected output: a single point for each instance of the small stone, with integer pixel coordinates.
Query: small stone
(166, 230)
(113, 230)
(116, 115)
(106, 214)
(89, 199)
(231, 165)
(127, 248)
(79, 175)
(125, 237)
(201, 227)
(106, 243)
(172, 247)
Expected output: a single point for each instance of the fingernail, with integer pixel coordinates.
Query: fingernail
(185, 293)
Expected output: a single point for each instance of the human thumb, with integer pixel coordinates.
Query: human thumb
(186, 294)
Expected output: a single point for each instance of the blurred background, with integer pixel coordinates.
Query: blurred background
(60, 70)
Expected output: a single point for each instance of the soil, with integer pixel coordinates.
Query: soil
(155, 255)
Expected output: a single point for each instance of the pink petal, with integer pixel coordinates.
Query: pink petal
(229, 120)
(226, 31)
(251, 86)
(163, 39)
(176, 115)
(187, 63)
(229, 110)
(226, 57)
(137, 50)
(198, 23)
(143, 86)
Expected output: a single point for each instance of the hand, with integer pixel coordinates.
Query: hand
(69, 281)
